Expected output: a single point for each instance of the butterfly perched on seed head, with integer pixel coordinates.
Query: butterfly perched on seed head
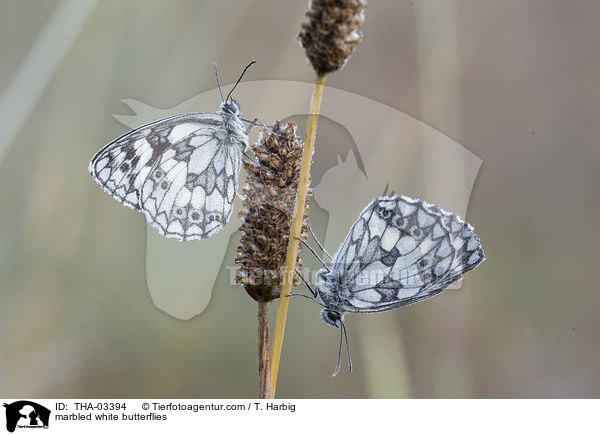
(180, 171)
(399, 251)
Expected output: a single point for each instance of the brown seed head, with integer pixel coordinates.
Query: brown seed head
(269, 197)
(330, 31)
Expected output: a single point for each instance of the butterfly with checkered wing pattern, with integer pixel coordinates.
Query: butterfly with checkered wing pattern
(181, 171)
(399, 251)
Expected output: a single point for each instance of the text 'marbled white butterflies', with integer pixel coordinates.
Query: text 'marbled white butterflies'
(399, 251)
(180, 171)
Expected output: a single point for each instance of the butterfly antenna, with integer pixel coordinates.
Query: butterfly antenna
(347, 346)
(238, 80)
(218, 84)
(339, 361)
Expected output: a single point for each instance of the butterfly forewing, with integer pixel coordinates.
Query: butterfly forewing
(119, 167)
(400, 251)
(181, 172)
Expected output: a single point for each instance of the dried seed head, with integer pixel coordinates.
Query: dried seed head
(330, 31)
(269, 197)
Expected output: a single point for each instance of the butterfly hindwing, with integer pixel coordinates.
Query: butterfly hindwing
(189, 194)
(400, 251)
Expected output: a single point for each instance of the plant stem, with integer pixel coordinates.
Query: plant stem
(263, 350)
(292, 248)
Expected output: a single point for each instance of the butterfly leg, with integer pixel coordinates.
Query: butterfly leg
(253, 124)
(310, 289)
(319, 243)
(250, 159)
(308, 297)
(256, 162)
(312, 292)
(314, 253)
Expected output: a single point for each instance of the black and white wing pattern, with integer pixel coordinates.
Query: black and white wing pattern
(180, 171)
(399, 251)
(189, 193)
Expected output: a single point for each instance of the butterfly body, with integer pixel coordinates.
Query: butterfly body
(180, 171)
(399, 251)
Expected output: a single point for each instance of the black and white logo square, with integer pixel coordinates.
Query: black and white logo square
(26, 414)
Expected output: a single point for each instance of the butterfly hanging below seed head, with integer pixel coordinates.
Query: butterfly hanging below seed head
(180, 171)
(399, 251)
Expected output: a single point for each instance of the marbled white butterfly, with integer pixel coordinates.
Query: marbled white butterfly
(399, 251)
(180, 171)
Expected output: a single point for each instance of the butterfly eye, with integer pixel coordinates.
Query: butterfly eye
(330, 317)
(158, 174)
(124, 166)
(230, 107)
(164, 185)
(179, 212)
(195, 216)
(423, 263)
(416, 232)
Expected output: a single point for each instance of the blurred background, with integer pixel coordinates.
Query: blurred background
(499, 102)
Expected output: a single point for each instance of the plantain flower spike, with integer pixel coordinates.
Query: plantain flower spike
(268, 206)
(330, 31)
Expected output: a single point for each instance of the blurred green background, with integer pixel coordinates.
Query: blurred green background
(514, 82)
